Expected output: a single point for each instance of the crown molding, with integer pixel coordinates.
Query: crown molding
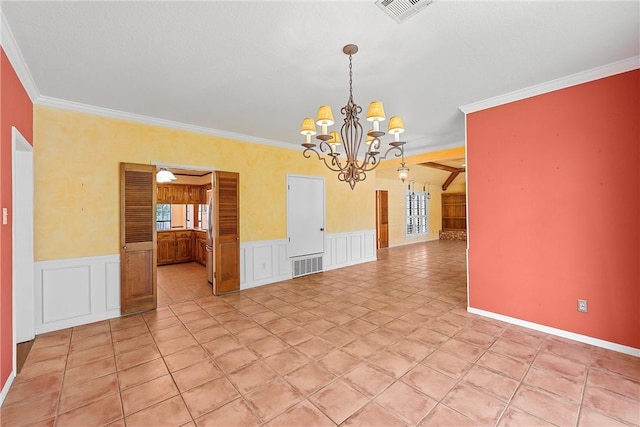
(16, 59)
(557, 84)
(48, 101)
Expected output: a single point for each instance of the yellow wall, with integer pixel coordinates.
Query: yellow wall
(77, 157)
(396, 195)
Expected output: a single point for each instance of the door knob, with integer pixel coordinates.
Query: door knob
(322, 229)
(124, 247)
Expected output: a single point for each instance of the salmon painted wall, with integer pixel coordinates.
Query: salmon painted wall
(554, 209)
(16, 110)
(76, 158)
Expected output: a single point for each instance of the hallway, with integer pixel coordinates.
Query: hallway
(382, 343)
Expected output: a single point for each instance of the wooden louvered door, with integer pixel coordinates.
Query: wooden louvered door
(226, 226)
(137, 238)
(382, 219)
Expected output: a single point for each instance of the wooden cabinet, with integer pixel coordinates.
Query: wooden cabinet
(163, 193)
(454, 211)
(200, 247)
(184, 245)
(175, 246)
(179, 194)
(182, 194)
(166, 242)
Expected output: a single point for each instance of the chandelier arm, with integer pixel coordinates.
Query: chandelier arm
(334, 165)
(400, 149)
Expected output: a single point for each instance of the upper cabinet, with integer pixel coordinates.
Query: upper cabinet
(164, 193)
(181, 194)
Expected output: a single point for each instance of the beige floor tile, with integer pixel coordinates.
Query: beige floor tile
(396, 346)
(234, 414)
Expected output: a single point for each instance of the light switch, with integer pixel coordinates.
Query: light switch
(5, 216)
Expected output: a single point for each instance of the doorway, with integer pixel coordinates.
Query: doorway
(182, 219)
(382, 219)
(22, 235)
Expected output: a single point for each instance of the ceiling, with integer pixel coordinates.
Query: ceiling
(256, 68)
(422, 174)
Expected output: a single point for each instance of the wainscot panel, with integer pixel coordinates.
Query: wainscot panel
(76, 291)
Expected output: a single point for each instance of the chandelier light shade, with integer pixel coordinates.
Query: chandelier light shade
(164, 176)
(358, 158)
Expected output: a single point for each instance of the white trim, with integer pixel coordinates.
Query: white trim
(558, 332)
(22, 249)
(139, 118)
(16, 59)
(397, 245)
(7, 386)
(550, 86)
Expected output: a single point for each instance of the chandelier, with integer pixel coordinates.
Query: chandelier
(357, 162)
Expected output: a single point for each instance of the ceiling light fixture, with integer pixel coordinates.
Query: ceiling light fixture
(354, 168)
(428, 185)
(164, 176)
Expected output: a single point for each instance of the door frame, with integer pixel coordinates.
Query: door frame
(22, 252)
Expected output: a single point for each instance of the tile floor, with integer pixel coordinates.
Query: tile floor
(392, 346)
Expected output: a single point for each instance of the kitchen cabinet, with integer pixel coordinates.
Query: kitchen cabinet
(166, 242)
(182, 194)
(184, 245)
(200, 247)
(179, 194)
(163, 193)
(175, 246)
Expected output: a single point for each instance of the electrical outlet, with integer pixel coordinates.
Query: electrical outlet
(582, 305)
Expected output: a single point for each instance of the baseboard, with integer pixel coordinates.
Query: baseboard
(7, 386)
(77, 321)
(558, 332)
(397, 245)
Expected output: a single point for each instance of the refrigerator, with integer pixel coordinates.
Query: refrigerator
(210, 265)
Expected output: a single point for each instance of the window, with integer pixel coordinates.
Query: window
(163, 216)
(203, 217)
(189, 217)
(416, 213)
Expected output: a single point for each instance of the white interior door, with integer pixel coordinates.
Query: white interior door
(22, 215)
(305, 215)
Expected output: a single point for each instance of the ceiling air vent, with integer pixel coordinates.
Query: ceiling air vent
(401, 10)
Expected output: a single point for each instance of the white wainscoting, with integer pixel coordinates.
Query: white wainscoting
(345, 249)
(263, 262)
(267, 261)
(76, 291)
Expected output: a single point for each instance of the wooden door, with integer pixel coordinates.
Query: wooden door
(166, 253)
(138, 286)
(382, 219)
(226, 226)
